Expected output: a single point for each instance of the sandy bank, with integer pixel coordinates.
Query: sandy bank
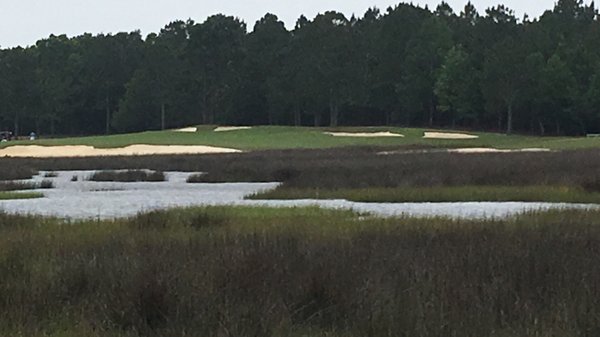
(444, 135)
(36, 151)
(364, 134)
(491, 150)
(190, 130)
(475, 150)
(231, 128)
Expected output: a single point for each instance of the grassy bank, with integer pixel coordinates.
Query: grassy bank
(279, 137)
(19, 195)
(439, 194)
(300, 272)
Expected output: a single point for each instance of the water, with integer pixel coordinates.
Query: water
(104, 200)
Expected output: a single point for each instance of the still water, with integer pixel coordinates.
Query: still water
(104, 200)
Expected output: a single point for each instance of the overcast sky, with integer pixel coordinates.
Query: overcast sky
(22, 22)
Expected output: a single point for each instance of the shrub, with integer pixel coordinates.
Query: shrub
(128, 176)
(46, 184)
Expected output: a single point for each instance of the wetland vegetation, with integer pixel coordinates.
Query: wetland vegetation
(128, 176)
(297, 272)
(363, 174)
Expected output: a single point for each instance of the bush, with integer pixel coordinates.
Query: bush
(128, 176)
(46, 184)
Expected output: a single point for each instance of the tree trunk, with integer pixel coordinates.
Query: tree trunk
(297, 117)
(334, 112)
(270, 117)
(162, 116)
(432, 111)
(542, 128)
(107, 113)
(509, 120)
(317, 119)
(16, 126)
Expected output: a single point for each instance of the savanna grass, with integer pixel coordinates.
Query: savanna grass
(300, 272)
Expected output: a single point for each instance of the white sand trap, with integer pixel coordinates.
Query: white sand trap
(364, 134)
(36, 151)
(444, 135)
(231, 128)
(491, 150)
(190, 130)
(475, 150)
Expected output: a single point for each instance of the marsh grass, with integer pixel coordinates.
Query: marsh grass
(12, 171)
(18, 196)
(128, 176)
(228, 271)
(360, 169)
(439, 194)
(45, 184)
(6, 186)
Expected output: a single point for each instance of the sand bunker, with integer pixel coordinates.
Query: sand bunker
(190, 130)
(364, 134)
(491, 150)
(443, 135)
(231, 128)
(36, 151)
(463, 151)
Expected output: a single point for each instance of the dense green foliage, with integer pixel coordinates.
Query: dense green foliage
(406, 66)
(300, 272)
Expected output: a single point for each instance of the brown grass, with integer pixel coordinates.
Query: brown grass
(300, 272)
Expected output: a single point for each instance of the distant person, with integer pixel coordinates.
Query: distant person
(32, 136)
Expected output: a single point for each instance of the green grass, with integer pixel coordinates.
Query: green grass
(19, 195)
(239, 271)
(439, 194)
(279, 137)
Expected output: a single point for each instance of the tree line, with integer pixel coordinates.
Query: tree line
(407, 66)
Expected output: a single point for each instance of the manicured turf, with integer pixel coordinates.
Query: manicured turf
(278, 137)
(440, 194)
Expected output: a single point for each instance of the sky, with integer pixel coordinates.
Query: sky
(23, 22)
